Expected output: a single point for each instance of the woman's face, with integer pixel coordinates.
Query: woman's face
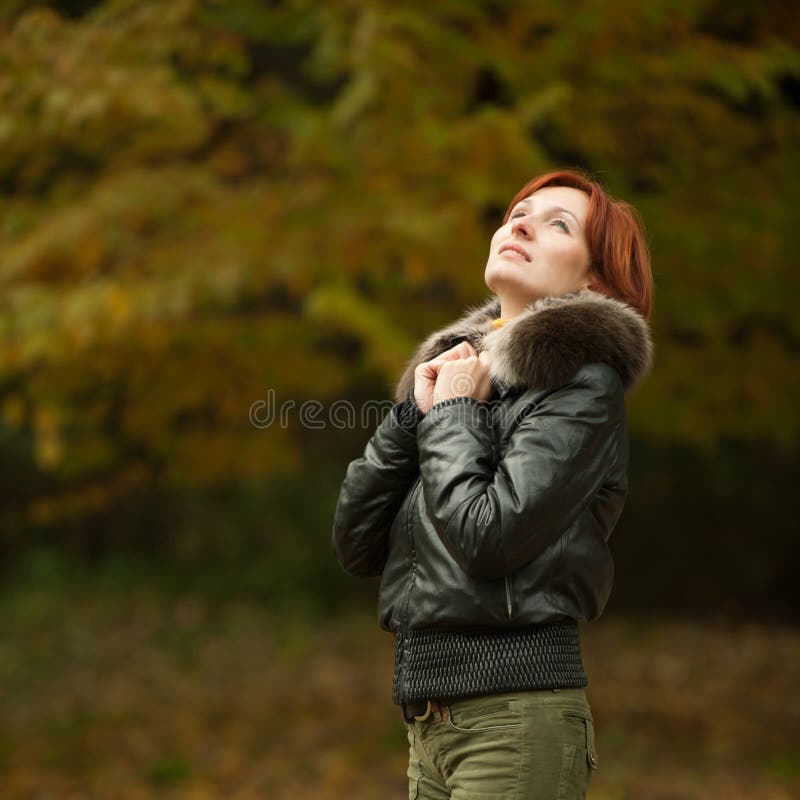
(541, 250)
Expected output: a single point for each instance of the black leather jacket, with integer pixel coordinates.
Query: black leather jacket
(497, 515)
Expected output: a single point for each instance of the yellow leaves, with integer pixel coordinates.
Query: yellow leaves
(85, 499)
(119, 309)
(339, 307)
(417, 268)
(204, 457)
(38, 25)
(83, 89)
(203, 201)
(744, 390)
(47, 432)
(360, 92)
(12, 410)
(536, 107)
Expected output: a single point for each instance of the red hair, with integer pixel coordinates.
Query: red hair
(620, 258)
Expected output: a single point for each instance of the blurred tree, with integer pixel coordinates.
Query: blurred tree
(203, 201)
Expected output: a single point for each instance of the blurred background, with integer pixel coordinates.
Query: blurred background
(210, 208)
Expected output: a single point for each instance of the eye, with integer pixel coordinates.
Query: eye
(521, 213)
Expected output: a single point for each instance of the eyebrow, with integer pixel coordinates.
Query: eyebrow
(551, 209)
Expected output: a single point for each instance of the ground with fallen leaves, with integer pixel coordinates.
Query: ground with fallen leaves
(115, 696)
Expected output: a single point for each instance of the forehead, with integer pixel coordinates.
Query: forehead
(573, 200)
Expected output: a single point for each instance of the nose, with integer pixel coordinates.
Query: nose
(520, 226)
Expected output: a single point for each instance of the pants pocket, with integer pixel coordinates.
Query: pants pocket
(484, 714)
(578, 760)
(480, 750)
(587, 726)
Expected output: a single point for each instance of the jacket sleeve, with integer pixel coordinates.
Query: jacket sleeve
(374, 488)
(493, 516)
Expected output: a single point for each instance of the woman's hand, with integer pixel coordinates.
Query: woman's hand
(464, 377)
(426, 373)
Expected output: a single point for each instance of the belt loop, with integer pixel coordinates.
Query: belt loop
(591, 753)
(423, 717)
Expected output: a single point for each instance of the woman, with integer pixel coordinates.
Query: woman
(486, 498)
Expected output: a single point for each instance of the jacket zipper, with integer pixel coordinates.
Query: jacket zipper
(508, 595)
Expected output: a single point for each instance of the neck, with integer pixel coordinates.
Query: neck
(511, 307)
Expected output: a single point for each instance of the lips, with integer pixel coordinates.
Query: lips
(514, 248)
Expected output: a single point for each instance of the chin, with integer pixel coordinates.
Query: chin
(499, 277)
(501, 282)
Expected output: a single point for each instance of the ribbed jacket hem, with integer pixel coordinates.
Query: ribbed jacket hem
(442, 664)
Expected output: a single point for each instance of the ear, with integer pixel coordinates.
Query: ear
(595, 283)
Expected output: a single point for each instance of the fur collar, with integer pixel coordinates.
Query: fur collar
(548, 342)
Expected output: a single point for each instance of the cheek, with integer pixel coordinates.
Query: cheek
(496, 238)
(574, 254)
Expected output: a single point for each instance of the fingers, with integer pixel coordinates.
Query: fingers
(480, 359)
(427, 370)
(478, 363)
(464, 377)
(427, 373)
(461, 350)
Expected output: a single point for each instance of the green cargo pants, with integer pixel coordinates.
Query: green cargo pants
(533, 745)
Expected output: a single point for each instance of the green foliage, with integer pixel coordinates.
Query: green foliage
(205, 200)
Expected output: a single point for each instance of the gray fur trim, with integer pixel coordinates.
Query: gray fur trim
(548, 342)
